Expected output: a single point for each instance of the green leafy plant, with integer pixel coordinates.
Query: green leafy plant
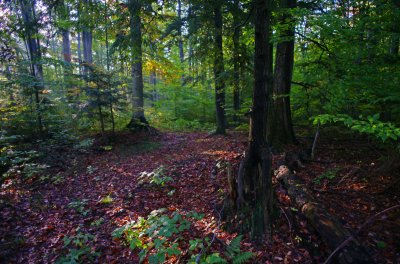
(20, 162)
(155, 236)
(79, 249)
(156, 177)
(97, 222)
(384, 131)
(158, 235)
(329, 175)
(233, 254)
(79, 206)
(107, 199)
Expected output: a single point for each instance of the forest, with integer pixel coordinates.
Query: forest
(200, 131)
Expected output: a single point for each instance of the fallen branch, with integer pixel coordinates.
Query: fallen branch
(329, 227)
(314, 145)
(350, 238)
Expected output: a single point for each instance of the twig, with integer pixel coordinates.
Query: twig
(287, 218)
(350, 238)
(314, 145)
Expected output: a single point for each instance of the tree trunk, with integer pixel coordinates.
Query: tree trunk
(331, 231)
(180, 42)
(79, 52)
(87, 50)
(254, 184)
(219, 70)
(136, 60)
(236, 61)
(87, 39)
(35, 56)
(280, 127)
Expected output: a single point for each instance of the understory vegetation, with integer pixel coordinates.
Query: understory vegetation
(189, 131)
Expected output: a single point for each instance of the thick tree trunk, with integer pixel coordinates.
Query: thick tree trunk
(236, 61)
(280, 127)
(254, 183)
(331, 231)
(218, 71)
(35, 56)
(136, 60)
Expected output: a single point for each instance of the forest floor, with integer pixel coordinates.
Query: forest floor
(95, 191)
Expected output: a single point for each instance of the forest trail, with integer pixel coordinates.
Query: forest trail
(35, 220)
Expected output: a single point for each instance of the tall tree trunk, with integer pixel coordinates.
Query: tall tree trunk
(236, 61)
(87, 50)
(87, 39)
(254, 183)
(79, 52)
(110, 103)
(35, 56)
(180, 42)
(219, 70)
(136, 60)
(280, 125)
(395, 37)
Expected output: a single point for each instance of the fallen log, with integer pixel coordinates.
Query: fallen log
(331, 231)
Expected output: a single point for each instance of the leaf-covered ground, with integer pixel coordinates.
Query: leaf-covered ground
(35, 218)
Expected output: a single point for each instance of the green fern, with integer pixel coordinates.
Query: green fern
(234, 247)
(242, 257)
(235, 254)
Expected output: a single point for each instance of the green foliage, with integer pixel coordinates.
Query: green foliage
(155, 236)
(328, 175)
(22, 163)
(233, 253)
(107, 199)
(156, 177)
(80, 206)
(385, 131)
(79, 249)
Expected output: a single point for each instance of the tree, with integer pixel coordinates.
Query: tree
(138, 117)
(236, 59)
(254, 183)
(87, 37)
(280, 128)
(219, 70)
(31, 34)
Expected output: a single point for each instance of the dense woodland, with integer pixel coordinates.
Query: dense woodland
(189, 131)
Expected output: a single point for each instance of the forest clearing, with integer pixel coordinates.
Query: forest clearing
(191, 131)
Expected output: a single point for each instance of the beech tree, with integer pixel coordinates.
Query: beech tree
(138, 117)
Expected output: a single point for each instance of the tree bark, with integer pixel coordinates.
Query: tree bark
(254, 182)
(87, 39)
(236, 61)
(35, 56)
(219, 70)
(331, 231)
(136, 60)
(280, 127)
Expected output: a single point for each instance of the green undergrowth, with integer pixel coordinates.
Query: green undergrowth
(160, 236)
